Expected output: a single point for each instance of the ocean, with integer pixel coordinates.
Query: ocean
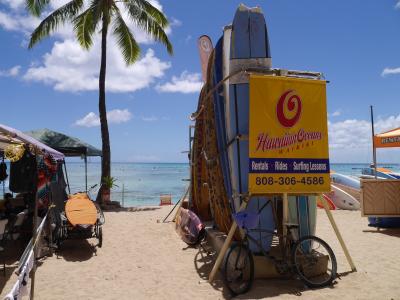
(142, 184)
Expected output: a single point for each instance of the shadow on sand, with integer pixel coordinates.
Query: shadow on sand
(76, 250)
(203, 263)
(261, 288)
(388, 231)
(12, 254)
(131, 209)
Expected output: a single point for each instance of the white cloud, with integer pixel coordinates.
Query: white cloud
(12, 72)
(186, 83)
(70, 68)
(150, 119)
(15, 22)
(118, 116)
(188, 39)
(351, 141)
(90, 120)
(336, 113)
(175, 22)
(355, 133)
(115, 116)
(397, 6)
(390, 71)
(67, 67)
(14, 4)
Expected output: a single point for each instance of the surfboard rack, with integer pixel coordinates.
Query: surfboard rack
(243, 206)
(260, 71)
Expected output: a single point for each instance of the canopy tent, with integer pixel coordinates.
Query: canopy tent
(387, 139)
(69, 146)
(9, 136)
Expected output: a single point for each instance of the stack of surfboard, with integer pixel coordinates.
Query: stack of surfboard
(220, 149)
(345, 193)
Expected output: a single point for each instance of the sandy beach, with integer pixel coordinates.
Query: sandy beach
(143, 259)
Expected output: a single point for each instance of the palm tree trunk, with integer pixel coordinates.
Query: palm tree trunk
(106, 159)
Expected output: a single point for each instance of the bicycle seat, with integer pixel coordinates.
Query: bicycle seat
(246, 219)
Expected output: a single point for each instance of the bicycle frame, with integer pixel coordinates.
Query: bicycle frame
(285, 239)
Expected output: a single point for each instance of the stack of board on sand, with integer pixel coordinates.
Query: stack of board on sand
(224, 117)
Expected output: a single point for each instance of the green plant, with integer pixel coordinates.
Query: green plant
(108, 182)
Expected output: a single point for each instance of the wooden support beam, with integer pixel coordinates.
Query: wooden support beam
(225, 247)
(338, 235)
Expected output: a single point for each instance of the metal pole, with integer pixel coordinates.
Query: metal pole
(86, 172)
(34, 237)
(66, 176)
(373, 140)
(123, 194)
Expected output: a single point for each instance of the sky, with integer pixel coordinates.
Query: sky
(356, 44)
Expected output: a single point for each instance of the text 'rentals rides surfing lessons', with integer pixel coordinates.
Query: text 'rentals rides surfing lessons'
(288, 136)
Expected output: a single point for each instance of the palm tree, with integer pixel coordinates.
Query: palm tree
(86, 17)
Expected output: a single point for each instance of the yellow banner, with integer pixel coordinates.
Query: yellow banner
(288, 136)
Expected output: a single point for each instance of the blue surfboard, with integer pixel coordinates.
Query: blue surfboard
(249, 47)
(219, 110)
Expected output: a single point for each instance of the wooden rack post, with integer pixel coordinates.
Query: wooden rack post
(225, 246)
(338, 235)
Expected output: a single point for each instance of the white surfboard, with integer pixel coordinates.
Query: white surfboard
(342, 199)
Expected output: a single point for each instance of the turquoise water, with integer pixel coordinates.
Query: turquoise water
(138, 183)
(142, 183)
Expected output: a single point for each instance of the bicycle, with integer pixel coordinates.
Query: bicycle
(304, 257)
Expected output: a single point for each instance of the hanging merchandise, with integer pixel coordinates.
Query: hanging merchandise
(47, 173)
(14, 152)
(3, 171)
(23, 174)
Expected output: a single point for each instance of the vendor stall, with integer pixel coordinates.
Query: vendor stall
(68, 145)
(33, 168)
(380, 197)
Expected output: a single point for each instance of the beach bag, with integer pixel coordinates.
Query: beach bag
(189, 227)
(3, 171)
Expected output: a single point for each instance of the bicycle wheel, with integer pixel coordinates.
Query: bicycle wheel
(314, 261)
(239, 269)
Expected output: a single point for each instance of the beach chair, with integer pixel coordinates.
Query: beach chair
(15, 228)
(165, 200)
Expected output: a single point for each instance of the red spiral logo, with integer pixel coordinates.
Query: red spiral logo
(292, 102)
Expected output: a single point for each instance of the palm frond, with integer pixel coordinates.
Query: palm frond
(51, 22)
(125, 40)
(151, 10)
(85, 24)
(145, 21)
(36, 7)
